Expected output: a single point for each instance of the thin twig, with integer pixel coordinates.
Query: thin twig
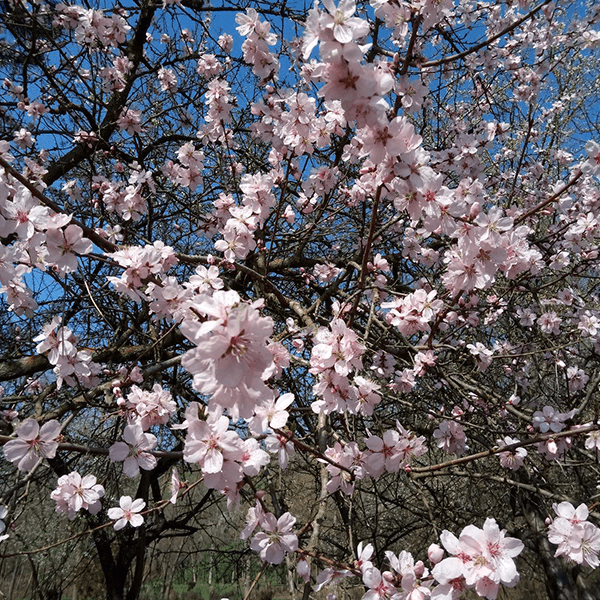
(508, 29)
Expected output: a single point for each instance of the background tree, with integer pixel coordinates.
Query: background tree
(348, 241)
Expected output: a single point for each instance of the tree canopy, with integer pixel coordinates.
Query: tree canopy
(333, 268)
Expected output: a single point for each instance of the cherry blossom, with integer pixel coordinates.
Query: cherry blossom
(133, 452)
(33, 442)
(75, 493)
(276, 539)
(127, 512)
(577, 538)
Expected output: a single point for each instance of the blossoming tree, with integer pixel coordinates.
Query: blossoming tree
(358, 239)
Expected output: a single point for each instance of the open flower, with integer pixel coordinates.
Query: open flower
(32, 443)
(277, 539)
(75, 492)
(576, 538)
(127, 512)
(134, 450)
(342, 23)
(484, 557)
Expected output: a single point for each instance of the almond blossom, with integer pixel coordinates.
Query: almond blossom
(276, 539)
(33, 442)
(484, 557)
(209, 443)
(379, 585)
(511, 459)
(576, 538)
(75, 493)
(271, 414)
(134, 451)
(451, 437)
(400, 223)
(127, 512)
(340, 21)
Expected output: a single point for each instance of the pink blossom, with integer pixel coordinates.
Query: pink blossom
(484, 557)
(209, 443)
(384, 453)
(451, 437)
(379, 586)
(65, 245)
(435, 553)
(576, 538)
(303, 570)
(549, 420)
(176, 486)
(32, 443)
(276, 539)
(75, 493)
(231, 345)
(513, 459)
(130, 120)
(329, 576)
(254, 518)
(253, 457)
(340, 21)
(271, 414)
(127, 512)
(346, 469)
(364, 554)
(549, 322)
(282, 446)
(133, 452)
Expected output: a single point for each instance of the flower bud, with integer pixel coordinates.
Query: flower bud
(419, 569)
(435, 554)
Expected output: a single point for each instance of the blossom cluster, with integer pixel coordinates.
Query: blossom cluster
(276, 538)
(70, 364)
(355, 245)
(480, 558)
(577, 539)
(75, 493)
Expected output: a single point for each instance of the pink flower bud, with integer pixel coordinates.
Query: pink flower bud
(419, 569)
(388, 576)
(435, 553)
(303, 570)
